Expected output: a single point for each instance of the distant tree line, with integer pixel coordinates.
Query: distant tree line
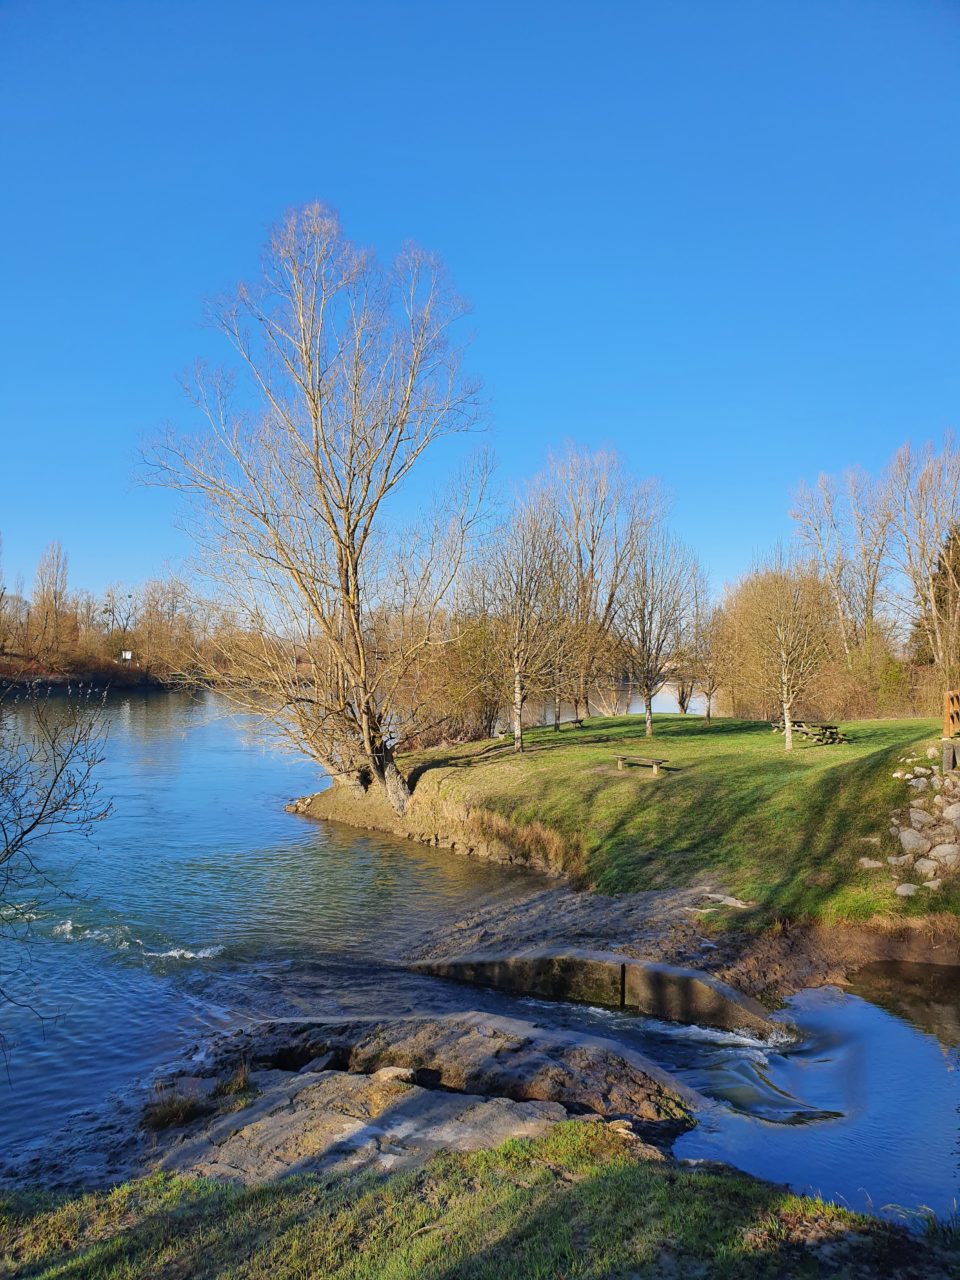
(56, 631)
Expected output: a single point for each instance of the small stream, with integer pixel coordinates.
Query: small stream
(202, 904)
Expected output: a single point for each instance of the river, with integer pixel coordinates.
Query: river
(200, 903)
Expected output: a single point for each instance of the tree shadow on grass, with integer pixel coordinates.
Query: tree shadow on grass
(517, 1212)
(792, 842)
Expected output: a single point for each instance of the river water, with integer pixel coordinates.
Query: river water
(200, 903)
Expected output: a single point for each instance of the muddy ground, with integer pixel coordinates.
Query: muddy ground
(691, 927)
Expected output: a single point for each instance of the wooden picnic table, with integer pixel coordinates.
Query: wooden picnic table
(824, 734)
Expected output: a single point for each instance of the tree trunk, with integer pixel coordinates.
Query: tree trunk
(648, 714)
(787, 728)
(397, 788)
(517, 712)
(708, 699)
(556, 710)
(394, 784)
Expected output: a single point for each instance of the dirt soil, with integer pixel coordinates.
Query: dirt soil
(684, 927)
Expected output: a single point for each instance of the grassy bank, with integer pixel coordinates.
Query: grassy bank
(782, 831)
(576, 1203)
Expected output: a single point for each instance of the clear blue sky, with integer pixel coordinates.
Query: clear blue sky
(720, 236)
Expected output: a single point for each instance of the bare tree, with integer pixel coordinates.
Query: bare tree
(353, 378)
(49, 752)
(514, 587)
(658, 593)
(848, 530)
(783, 632)
(925, 496)
(49, 603)
(600, 515)
(707, 634)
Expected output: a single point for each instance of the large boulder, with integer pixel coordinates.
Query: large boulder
(946, 855)
(919, 818)
(913, 843)
(926, 867)
(952, 812)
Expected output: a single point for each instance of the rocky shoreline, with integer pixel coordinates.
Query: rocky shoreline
(309, 1096)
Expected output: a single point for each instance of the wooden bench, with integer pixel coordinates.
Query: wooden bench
(623, 761)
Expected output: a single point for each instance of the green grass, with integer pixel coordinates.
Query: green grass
(781, 830)
(573, 1205)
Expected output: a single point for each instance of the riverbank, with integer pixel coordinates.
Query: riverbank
(16, 674)
(783, 833)
(771, 872)
(473, 1146)
(579, 1201)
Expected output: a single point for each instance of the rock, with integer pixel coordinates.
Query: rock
(919, 819)
(870, 864)
(932, 885)
(952, 812)
(937, 784)
(947, 855)
(932, 753)
(323, 1062)
(894, 830)
(926, 867)
(919, 784)
(912, 843)
(905, 861)
(899, 773)
(939, 801)
(906, 890)
(404, 1075)
(942, 833)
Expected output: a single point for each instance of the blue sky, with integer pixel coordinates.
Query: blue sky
(719, 236)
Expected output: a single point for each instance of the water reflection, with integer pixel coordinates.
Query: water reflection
(928, 995)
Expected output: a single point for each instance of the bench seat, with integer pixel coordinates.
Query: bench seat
(623, 761)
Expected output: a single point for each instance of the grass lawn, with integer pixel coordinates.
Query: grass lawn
(781, 830)
(576, 1203)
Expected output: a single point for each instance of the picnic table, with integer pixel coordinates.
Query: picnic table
(623, 761)
(825, 734)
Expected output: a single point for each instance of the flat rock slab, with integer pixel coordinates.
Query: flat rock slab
(664, 991)
(334, 1120)
(367, 1093)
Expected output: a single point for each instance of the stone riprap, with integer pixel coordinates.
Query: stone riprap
(927, 829)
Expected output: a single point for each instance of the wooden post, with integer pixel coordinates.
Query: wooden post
(951, 713)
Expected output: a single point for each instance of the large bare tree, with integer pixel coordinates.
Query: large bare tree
(352, 375)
